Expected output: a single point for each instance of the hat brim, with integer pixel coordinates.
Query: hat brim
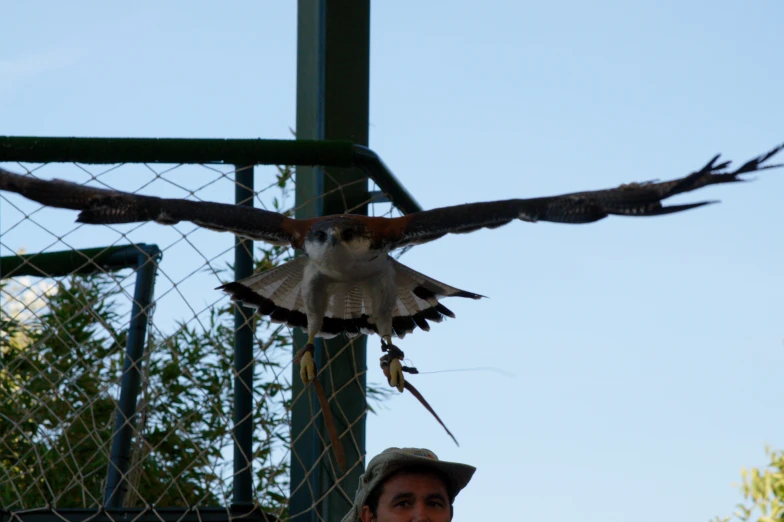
(459, 475)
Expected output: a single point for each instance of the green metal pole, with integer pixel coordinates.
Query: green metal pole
(309, 187)
(39, 149)
(125, 420)
(333, 58)
(68, 262)
(243, 356)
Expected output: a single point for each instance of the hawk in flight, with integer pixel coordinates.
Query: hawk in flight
(346, 282)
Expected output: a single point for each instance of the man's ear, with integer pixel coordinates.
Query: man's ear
(366, 515)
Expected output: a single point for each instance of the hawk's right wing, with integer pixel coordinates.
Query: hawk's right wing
(102, 206)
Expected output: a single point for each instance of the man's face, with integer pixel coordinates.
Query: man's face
(411, 497)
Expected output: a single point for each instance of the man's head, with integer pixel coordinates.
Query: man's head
(416, 493)
(408, 484)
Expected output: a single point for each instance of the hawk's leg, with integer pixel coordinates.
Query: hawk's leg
(384, 299)
(315, 297)
(393, 357)
(307, 366)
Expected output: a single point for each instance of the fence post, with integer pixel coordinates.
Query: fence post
(333, 55)
(116, 483)
(243, 355)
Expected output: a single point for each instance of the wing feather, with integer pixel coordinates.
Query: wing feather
(102, 206)
(634, 199)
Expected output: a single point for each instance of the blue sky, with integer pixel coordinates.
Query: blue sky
(645, 355)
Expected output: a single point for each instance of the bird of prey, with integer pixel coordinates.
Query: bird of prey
(346, 282)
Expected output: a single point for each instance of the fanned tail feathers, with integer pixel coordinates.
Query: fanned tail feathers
(277, 293)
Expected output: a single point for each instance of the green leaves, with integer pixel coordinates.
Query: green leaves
(60, 370)
(56, 421)
(763, 492)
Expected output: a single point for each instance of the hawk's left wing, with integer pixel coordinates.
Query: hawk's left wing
(635, 199)
(101, 206)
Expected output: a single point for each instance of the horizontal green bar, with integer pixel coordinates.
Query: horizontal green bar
(149, 514)
(65, 262)
(34, 149)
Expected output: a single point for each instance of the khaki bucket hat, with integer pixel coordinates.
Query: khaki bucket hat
(394, 459)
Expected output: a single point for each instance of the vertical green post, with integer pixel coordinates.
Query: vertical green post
(333, 60)
(125, 420)
(243, 355)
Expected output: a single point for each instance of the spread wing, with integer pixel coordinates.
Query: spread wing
(101, 206)
(635, 199)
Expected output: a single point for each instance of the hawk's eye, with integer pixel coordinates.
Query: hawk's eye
(348, 234)
(321, 236)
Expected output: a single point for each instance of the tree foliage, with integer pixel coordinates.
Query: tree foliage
(59, 375)
(763, 492)
(60, 369)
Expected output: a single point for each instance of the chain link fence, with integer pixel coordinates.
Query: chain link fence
(87, 423)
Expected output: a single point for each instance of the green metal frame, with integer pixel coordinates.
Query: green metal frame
(150, 514)
(335, 153)
(66, 262)
(349, 162)
(144, 259)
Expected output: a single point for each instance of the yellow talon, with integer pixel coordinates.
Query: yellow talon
(392, 358)
(307, 368)
(396, 378)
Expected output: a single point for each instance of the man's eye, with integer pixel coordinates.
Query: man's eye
(321, 235)
(437, 503)
(348, 235)
(402, 503)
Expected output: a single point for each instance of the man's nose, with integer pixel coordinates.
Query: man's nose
(333, 238)
(419, 513)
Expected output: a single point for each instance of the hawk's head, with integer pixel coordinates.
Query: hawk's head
(338, 237)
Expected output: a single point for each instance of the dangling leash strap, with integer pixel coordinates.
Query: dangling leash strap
(329, 421)
(393, 352)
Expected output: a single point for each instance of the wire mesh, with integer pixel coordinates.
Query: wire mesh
(63, 340)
